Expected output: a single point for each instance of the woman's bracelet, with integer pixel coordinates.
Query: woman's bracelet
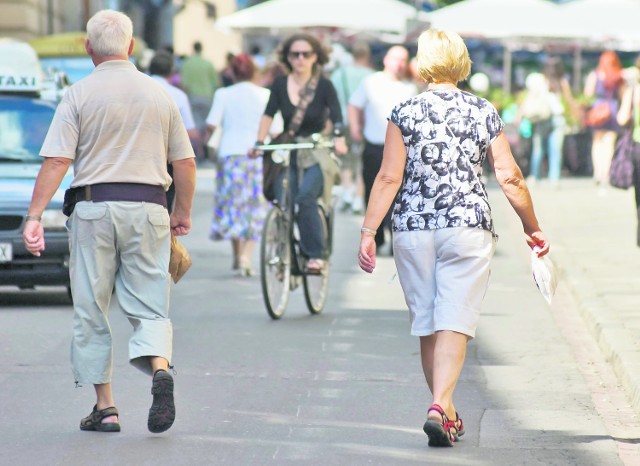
(368, 231)
(32, 218)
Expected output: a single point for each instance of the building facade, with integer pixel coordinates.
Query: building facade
(178, 23)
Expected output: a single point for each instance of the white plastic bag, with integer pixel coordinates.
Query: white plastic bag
(544, 274)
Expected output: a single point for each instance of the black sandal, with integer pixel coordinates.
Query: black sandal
(94, 420)
(163, 410)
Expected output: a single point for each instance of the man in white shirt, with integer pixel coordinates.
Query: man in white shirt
(368, 110)
(161, 69)
(346, 79)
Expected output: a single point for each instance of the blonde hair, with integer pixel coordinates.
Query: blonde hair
(442, 57)
(110, 32)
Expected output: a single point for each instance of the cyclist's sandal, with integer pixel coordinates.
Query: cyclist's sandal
(163, 411)
(94, 420)
(440, 434)
(459, 426)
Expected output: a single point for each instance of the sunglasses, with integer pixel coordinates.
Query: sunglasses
(306, 54)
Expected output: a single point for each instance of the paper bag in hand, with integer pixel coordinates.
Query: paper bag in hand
(180, 261)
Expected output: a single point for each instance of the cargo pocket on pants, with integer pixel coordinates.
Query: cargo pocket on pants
(87, 216)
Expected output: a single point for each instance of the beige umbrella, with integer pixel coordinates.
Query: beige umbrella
(498, 19)
(383, 16)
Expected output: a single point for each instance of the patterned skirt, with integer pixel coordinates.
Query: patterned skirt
(239, 206)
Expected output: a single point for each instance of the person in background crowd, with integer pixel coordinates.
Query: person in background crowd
(444, 236)
(120, 128)
(346, 79)
(413, 74)
(629, 113)
(227, 76)
(174, 79)
(161, 69)
(549, 133)
(270, 72)
(200, 80)
(368, 109)
(239, 206)
(258, 57)
(303, 55)
(605, 85)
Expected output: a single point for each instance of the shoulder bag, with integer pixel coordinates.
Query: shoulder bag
(621, 169)
(601, 112)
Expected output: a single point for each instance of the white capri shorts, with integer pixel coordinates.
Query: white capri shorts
(121, 246)
(444, 275)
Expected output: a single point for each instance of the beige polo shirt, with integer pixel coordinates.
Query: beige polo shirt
(118, 126)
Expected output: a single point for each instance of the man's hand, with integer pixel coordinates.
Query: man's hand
(180, 223)
(33, 237)
(356, 135)
(184, 177)
(52, 171)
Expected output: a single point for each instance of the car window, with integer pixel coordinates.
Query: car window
(75, 68)
(23, 126)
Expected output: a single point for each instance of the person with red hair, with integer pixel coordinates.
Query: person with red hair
(239, 206)
(604, 85)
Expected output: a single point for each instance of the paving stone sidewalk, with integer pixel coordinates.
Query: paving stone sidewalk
(593, 237)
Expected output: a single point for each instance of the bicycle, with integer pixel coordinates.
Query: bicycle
(282, 264)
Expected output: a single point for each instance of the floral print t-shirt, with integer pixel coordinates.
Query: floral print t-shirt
(446, 134)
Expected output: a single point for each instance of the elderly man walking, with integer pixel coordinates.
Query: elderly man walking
(119, 127)
(367, 113)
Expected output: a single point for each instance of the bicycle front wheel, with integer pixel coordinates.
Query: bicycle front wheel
(316, 286)
(275, 263)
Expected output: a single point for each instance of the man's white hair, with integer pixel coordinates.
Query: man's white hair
(110, 32)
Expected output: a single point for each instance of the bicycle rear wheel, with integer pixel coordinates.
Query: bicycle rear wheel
(275, 263)
(317, 285)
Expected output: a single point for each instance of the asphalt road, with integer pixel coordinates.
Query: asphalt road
(344, 387)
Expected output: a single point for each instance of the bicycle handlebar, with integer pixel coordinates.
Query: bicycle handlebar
(286, 146)
(317, 142)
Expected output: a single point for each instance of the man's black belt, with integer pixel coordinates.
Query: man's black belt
(103, 192)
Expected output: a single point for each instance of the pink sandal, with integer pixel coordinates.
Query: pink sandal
(459, 425)
(315, 266)
(440, 434)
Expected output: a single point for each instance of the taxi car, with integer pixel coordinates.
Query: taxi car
(24, 121)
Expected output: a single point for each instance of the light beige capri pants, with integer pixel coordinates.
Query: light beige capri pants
(444, 275)
(126, 245)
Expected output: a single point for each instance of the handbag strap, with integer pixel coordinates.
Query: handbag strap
(306, 96)
(635, 105)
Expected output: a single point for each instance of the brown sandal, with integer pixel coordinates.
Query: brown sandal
(94, 420)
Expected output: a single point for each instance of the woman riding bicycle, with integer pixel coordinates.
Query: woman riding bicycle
(303, 55)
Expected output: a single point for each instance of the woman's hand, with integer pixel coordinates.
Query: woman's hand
(367, 253)
(254, 153)
(537, 240)
(341, 145)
